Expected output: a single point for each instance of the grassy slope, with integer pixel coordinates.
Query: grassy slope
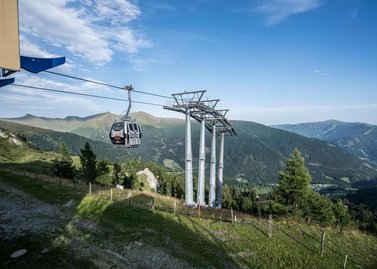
(99, 233)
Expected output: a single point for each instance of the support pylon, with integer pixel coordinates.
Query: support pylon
(188, 167)
(220, 172)
(212, 172)
(201, 171)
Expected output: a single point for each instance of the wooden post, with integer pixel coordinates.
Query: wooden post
(111, 194)
(60, 179)
(270, 226)
(323, 242)
(90, 188)
(174, 206)
(345, 262)
(231, 214)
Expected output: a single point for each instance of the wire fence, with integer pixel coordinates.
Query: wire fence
(309, 241)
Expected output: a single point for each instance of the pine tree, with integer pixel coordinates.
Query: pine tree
(116, 171)
(63, 165)
(102, 167)
(320, 208)
(294, 183)
(88, 163)
(341, 213)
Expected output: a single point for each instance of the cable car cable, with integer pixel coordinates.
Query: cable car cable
(106, 84)
(83, 94)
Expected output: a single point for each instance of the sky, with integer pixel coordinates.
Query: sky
(268, 61)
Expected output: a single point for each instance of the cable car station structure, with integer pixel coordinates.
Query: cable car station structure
(203, 111)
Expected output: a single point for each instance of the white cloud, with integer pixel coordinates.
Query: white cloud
(80, 87)
(91, 30)
(28, 48)
(126, 40)
(117, 12)
(141, 64)
(278, 10)
(318, 72)
(36, 101)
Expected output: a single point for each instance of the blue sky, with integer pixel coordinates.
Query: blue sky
(271, 61)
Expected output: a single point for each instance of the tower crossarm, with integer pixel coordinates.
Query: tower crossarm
(201, 109)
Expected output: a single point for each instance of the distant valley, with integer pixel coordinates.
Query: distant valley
(357, 138)
(255, 155)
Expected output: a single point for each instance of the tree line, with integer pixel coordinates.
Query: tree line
(101, 171)
(292, 197)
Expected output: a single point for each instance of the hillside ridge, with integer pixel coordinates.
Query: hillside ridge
(357, 138)
(255, 155)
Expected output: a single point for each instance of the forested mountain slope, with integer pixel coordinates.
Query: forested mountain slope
(357, 138)
(255, 155)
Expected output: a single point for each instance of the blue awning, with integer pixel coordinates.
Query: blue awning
(36, 65)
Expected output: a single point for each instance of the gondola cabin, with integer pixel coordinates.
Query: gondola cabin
(125, 134)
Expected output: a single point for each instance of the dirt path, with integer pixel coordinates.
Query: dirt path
(23, 217)
(22, 214)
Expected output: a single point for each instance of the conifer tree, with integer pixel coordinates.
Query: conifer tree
(294, 183)
(63, 165)
(88, 163)
(102, 167)
(116, 171)
(341, 213)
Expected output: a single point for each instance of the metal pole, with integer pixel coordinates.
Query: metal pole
(188, 167)
(128, 88)
(212, 172)
(220, 172)
(201, 171)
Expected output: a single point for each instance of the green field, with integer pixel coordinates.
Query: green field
(66, 228)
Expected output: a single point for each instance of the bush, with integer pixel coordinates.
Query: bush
(277, 208)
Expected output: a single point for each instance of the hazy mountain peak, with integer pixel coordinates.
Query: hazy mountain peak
(28, 116)
(356, 137)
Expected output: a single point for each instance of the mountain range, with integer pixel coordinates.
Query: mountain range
(358, 138)
(255, 155)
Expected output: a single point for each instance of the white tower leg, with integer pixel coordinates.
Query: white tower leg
(220, 172)
(188, 164)
(212, 172)
(201, 171)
